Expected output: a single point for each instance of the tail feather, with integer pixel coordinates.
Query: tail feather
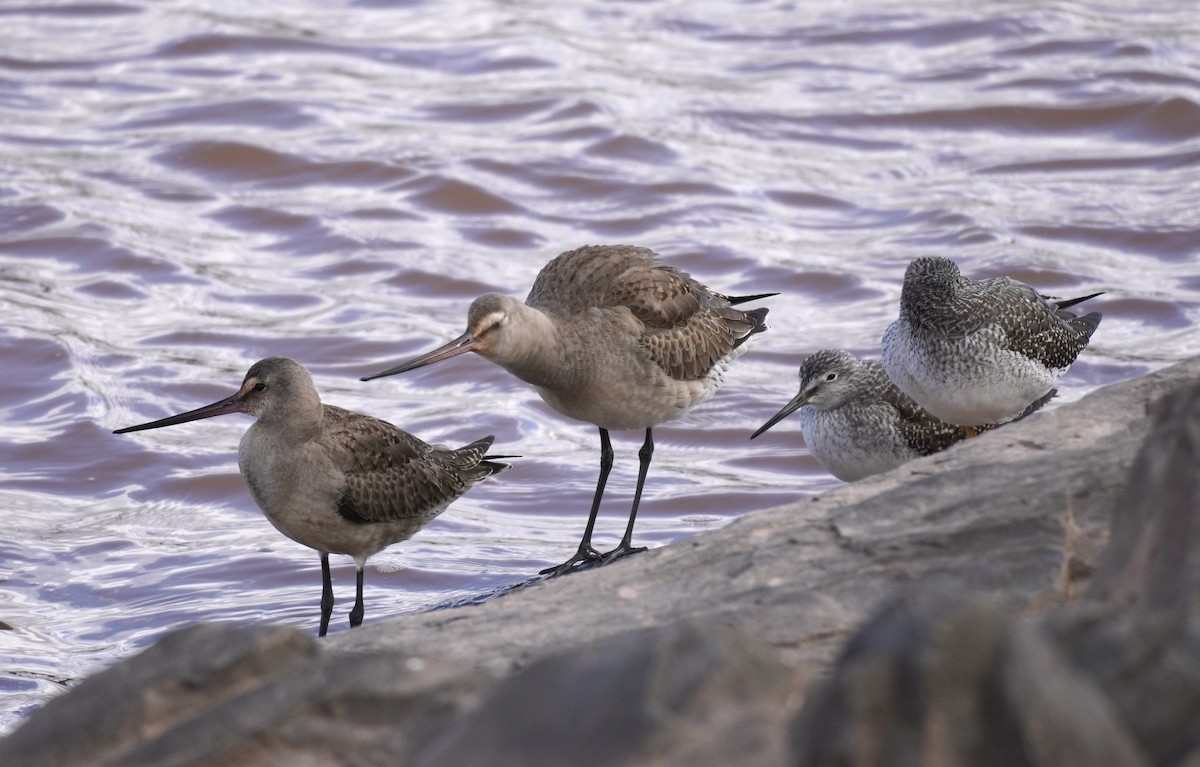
(735, 300)
(759, 318)
(495, 467)
(1086, 324)
(479, 465)
(1067, 303)
(1037, 404)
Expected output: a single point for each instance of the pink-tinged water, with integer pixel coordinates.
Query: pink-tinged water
(186, 187)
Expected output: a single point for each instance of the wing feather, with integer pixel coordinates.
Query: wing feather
(389, 475)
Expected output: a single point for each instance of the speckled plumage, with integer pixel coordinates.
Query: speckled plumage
(335, 480)
(612, 336)
(857, 423)
(974, 352)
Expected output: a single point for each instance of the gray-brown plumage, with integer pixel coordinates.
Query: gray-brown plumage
(335, 480)
(979, 351)
(612, 336)
(857, 423)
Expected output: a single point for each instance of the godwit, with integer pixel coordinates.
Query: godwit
(335, 480)
(612, 336)
(979, 351)
(857, 423)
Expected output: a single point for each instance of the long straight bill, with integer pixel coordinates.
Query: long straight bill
(464, 343)
(797, 402)
(228, 405)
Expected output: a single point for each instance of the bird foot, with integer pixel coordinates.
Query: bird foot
(583, 559)
(623, 550)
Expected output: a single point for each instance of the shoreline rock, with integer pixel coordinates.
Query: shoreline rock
(706, 651)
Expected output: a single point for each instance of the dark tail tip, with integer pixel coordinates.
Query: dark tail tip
(1088, 323)
(760, 319)
(735, 300)
(1038, 404)
(496, 467)
(1069, 302)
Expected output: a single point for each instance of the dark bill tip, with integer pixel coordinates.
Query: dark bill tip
(464, 343)
(227, 405)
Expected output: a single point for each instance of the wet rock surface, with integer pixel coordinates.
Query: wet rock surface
(967, 608)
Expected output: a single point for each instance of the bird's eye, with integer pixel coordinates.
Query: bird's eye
(260, 386)
(830, 377)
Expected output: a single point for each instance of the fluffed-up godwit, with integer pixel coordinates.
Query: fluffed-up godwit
(335, 480)
(612, 336)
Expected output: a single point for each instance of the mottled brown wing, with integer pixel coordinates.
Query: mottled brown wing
(389, 474)
(691, 349)
(1032, 325)
(686, 328)
(604, 276)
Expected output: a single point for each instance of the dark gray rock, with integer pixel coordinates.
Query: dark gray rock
(1113, 680)
(934, 679)
(653, 696)
(182, 675)
(1153, 562)
(216, 694)
(1138, 636)
(702, 652)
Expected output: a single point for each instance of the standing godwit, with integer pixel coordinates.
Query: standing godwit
(335, 480)
(612, 336)
(979, 351)
(857, 423)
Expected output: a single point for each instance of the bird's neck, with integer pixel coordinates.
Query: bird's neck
(301, 424)
(534, 350)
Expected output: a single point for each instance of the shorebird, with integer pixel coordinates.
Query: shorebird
(975, 352)
(857, 423)
(335, 480)
(612, 336)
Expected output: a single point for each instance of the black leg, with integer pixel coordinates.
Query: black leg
(586, 553)
(326, 595)
(624, 548)
(356, 613)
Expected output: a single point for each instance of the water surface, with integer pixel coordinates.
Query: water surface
(188, 187)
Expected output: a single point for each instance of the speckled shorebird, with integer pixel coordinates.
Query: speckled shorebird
(612, 336)
(975, 352)
(857, 423)
(335, 480)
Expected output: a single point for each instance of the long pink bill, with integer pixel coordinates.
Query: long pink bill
(464, 343)
(228, 405)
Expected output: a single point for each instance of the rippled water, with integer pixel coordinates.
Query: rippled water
(186, 187)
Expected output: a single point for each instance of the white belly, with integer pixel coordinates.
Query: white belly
(852, 450)
(971, 381)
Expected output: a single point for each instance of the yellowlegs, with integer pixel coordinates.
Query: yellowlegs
(857, 423)
(975, 352)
